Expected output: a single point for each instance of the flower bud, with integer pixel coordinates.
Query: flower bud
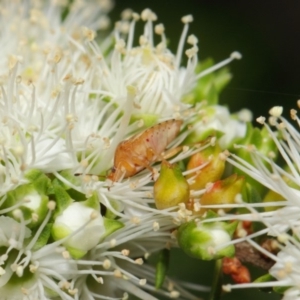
(243, 275)
(85, 214)
(217, 121)
(213, 170)
(200, 240)
(234, 268)
(272, 196)
(31, 197)
(222, 192)
(263, 143)
(171, 188)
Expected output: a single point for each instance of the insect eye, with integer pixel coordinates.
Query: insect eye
(109, 171)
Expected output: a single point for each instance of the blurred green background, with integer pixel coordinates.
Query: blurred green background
(267, 33)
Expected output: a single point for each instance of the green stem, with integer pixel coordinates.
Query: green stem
(216, 287)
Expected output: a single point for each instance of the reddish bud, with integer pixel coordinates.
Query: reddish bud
(242, 275)
(214, 163)
(222, 192)
(238, 272)
(230, 265)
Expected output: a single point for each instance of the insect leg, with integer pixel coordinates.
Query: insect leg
(170, 152)
(145, 161)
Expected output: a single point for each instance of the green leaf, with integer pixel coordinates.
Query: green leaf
(149, 119)
(111, 226)
(265, 278)
(209, 86)
(76, 253)
(63, 200)
(161, 268)
(222, 78)
(212, 96)
(216, 288)
(40, 181)
(281, 289)
(92, 202)
(43, 238)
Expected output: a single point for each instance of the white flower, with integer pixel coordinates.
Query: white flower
(73, 218)
(285, 270)
(218, 119)
(282, 221)
(66, 102)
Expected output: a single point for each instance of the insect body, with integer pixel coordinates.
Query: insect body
(140, 151)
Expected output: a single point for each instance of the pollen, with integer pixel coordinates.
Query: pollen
(191, 52)
(94, 215)
(261, 120)
(174, 294)
(293, 114)
(226, 288)
(33, 268)
(86, 178)
(187, 19)
(159, 29)
(84, 163)
(64, 284)
(155, 226)
(66, 254)
(148, 15)
(196, 206)
(281, 274)
(73, 292)
(100, 280)
(120, 46)
(135, 220)
(224, 155)
(135, 16)
(139, 261)
(106, 142)
(34, 217)
(276, 111)
(125, 252)
(192, 39)
(51, 205)
(283, 238)
(106, 264)
(126, 14)
(288, 267)
(19, 271)
(185, 149)
(241, 232)
(89, 34)
(143, 41)
(118, 273)
(272, 154)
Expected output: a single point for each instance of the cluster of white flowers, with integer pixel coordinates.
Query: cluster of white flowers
(66, 102)
(282, 204)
